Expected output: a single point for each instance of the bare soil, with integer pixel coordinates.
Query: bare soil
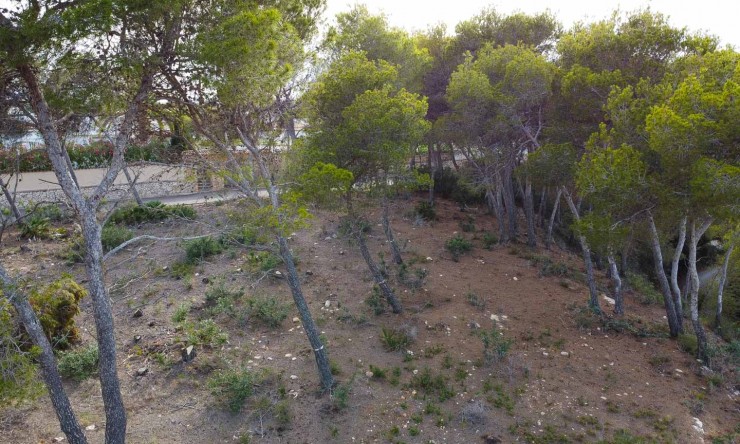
(564, 379)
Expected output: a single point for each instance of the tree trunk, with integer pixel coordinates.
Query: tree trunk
(529, 213)
(593, 302)
(115, 412)
(11, 202)
(319, 351)
(548, 238)
(701, 338)
(510, 203)
(395, 251)
(674, 325)
(721, 287)
(500, 205)
(541, 208)
(379, 279)
(62, 407)
(618, 297)
(677, 300)
(432, 173)
(493, 199)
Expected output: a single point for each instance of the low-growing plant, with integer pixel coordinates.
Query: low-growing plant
(431, 384)
(340, 396)
(426, 211)
(395, 339)
(79, 364)
(263, 260)
(197, 250)
(18, 371)
(181, 270)
(268, 310)
(379, 373)
(114, 235)
(205, 332)
(150, 212)
(220, 299)
(458, 245)
(646, 292)
(181, 312)
(232, 388)
(376, 301)
(489, 240)
(495, 345)
(56, 306)
(476, 301)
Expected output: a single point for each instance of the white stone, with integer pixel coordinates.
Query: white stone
(327, 304)
(564, 354)
(293, 377)
(296, 319)
(91, 427)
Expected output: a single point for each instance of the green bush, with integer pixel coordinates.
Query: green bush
(18, 376)
(688, 343)
(79, 364)
(263, 260)
(56, 306)
(646, 292)
(233, 387)
(181, 313)
(395, 339)
(426, 211)
(35, 227)
(457, 246)
(205, 332)
(489, 240)
(220, 299)
(495, 345)
(268, 310)
(376, 301)
(113, 236)
(150, 212)
(199, 249)
(430, 384)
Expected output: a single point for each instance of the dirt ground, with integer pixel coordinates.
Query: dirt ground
(565, 377)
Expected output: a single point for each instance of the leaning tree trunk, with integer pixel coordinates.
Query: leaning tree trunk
(62, 407)
(529, 213)
(677, 300)
(380, 281)
(593, 302)
(618, 296)
(674, 324)
(493, 199)
(10, 197)
(132, 186)
(721, 288)
(701, 337)
(395, 251)
(548, 238)
(309, 326)
(541, 208)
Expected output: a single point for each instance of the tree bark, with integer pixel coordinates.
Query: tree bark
(618, 296)
(493, 199)
(592, 291)
(674, 325)
(721, 287)
(380, 281)
(319, 351)
(541, 208)
(677, 300)
(132, 186)
(59, 400)
(529, 213)
(510, 202)
(701, 338)
(548, 238)
(395, 251)
(11, 202)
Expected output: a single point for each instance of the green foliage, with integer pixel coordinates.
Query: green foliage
(395, 339)
(458, 245)
(197, 250)
(181, 313)
(232, 388)
(432, 384)
(263, 260)
(79, 364)
(476, 301)
(495, 345)
(18, 375)
(35, 227)
(205, 332)
(340, 396)
(376, 301)
(268, 310)
(56, 306)
(153, 211)
(489, 240)
(426, 211)
(113, 236)
(688, 343)
(646, 292)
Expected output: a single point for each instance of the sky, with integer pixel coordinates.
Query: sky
(716, 17)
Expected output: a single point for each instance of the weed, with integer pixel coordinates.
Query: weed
(394, 339)
(197, 250)
(457, 246)
(376, 301)
(35, 227)
(79, 364)
(378, 372)
(432, 384)
(476, 301)
(263, 261)
(468, 225)
(150, 212)
(500, 399)
(268, 310)
(334, 367)
(447, 362)
(205, 332)
(413, 430)
(340, 396)
(688, 343)
(489, 240)
(426, 211)
(433, 351)
(495, 345)
(56, 306)
(220, 299)
(646, 291)
(181, 312)
(233, 387)
(181, 270)
(113, 236)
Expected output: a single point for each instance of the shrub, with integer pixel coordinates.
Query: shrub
(197, 250)
(376, 301)
(340, 396)
(205, 332)
(468, 225)
(688, 343)
(56, 306)
(458, 245)
(220, 299)
(395, 339)
(429, 383)
(18, 377)
(646, 292)
(233, 387)
(35, 227)
(263, 260)
(476, 301)
(426, 211)
(267, 310)
(150, 212)
(79, 364)
(489, 240)
(113, 236)
(181, 313)
(495, 345)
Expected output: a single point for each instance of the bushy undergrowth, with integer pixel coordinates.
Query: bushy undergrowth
(150, 212)
(79, 364)
(232, 388)
(268, 310)
(197, 250)
(457, 246)
(645, 290)
(56, 306)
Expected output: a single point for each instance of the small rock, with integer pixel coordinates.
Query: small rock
(494, 318)
(327, 304)
(429, 259)
(474, 325)
(327, 238)
(545, 354)
(137, 338)
(188, 353)
(165, 268)
(341, 252)
(59, 439)
(151, 323)
(205, 280)
(295, 319)
(369, 374)
(138, 313)
(515, 278)
(608, 300)
(142, 371)
(91, 427)
(278, 274)
(416, 371)
(309, 273)
(293, 377)
(288, 355)
(564, 354)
